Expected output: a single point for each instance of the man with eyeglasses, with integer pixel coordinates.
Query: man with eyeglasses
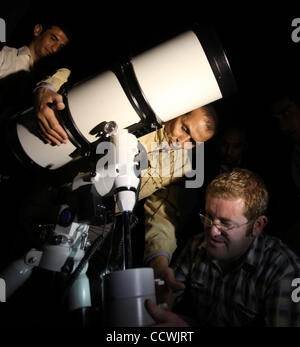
(234, 273)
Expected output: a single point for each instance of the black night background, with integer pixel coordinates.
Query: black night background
(256, 37)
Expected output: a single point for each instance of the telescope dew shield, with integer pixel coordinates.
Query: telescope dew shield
(173, 78)
(176, 77)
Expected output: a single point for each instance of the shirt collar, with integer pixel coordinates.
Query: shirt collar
(25, 51)
(158, 138)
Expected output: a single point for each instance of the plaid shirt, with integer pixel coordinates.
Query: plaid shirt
(257, 292)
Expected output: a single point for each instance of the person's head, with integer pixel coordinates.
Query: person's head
(48, 38)
(198, 125)
(286, 111)
(235, 207)
(233, 144)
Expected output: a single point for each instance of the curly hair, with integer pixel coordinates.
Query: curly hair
(241, 183)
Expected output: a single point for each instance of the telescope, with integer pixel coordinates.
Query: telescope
(175, 77)
(132, 99)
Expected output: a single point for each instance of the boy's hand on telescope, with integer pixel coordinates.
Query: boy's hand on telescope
(46, 102)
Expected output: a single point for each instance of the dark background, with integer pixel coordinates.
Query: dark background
(255, 36)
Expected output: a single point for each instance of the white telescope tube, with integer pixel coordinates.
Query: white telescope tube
(173, 78)
(176, 77)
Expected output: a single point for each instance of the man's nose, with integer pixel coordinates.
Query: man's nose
(54, 47)
(214, 231)
(184, 138)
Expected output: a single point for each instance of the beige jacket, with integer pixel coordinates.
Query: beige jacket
(160, 185)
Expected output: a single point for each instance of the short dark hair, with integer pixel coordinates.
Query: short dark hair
(50, 21)
(22, 33)
(212, 118)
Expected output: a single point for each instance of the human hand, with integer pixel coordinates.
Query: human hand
(164, 293)
(163, 317)
(46, 102)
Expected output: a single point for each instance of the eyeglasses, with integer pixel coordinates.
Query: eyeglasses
(223, 227)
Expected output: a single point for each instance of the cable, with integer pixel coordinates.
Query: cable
(111, 245)
(127, 255)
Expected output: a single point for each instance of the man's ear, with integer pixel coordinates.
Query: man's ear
(38, 28)
(259, 225)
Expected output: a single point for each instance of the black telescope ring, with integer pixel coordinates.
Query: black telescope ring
(127, 78)
(217, 59)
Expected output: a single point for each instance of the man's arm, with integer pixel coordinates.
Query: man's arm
(164, 293)
(161, 221)
(47, 100)
(165, 318)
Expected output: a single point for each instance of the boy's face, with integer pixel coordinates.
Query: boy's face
(48, 42)
(188, 128)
